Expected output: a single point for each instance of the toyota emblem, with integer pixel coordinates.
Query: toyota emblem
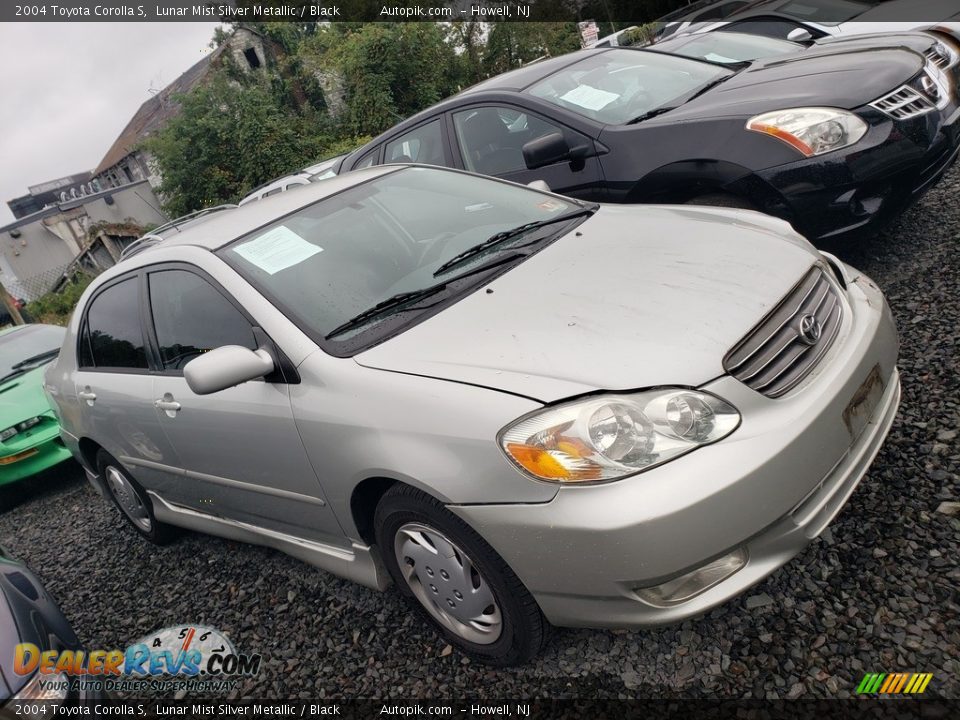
(809, 330)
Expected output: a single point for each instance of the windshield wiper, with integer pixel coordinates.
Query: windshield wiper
(651, 113)
(33, 359)
(23, 367)
(709, 86)
(507, 235)
(410, 297)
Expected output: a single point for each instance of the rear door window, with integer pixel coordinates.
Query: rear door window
(112, 337)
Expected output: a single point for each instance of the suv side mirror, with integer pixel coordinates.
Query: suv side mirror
(550, 149)
(799, 35)
(224, 367)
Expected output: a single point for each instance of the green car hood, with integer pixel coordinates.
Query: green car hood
(22, 398)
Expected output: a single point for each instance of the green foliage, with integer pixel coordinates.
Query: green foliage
(227, 139)
(55, 308)
(388, 70)
(513, 44)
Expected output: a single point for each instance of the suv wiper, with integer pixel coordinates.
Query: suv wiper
(412, 296)
(507, 235)
(651, 113)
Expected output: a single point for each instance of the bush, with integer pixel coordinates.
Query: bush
(55, 308)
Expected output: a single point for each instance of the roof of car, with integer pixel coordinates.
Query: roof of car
(529, 74)
(227, 225)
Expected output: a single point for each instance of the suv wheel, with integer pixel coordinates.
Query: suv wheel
(457, 580)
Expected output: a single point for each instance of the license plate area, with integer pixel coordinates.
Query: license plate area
(863, 405)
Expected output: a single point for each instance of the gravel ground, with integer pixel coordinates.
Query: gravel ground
(877, 592)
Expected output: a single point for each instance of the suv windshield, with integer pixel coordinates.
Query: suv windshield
(617, 86)
(27, 343)
(727, 47)
(331, 261)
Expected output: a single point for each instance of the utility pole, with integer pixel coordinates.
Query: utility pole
(11, 305)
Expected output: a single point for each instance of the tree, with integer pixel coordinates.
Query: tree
(512, 44)
(227, 139)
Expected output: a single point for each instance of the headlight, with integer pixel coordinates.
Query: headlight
(19, 428)
(812, 131)
(45, 687)
(612, 436)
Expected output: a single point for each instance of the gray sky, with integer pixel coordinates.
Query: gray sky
(68, 89)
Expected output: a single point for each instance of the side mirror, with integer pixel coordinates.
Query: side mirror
(550, 149)
(224, 367)
(799, 35)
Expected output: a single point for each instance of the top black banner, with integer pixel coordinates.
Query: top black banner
(619, 11)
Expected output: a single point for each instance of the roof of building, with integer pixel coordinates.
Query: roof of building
(155, 113)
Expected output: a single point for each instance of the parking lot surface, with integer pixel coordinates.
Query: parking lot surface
(877, 592)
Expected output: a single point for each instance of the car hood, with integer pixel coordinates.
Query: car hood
(23, 398)
(835, 75)
(636, 297)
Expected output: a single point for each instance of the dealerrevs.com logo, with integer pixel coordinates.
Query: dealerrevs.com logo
(181, 657)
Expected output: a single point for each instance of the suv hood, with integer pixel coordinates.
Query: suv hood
(636, 297)
(835, 75)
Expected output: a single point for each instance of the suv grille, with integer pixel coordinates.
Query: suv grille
(782, 350)
(903, 103)
(938, 56)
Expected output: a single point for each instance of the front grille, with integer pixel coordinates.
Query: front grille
(937, 55)
(904, 103)
(782, 350)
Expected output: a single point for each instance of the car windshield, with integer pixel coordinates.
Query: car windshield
(825, 12)
(332, 260)
(617, 86)
(727, 47)
(26, 343)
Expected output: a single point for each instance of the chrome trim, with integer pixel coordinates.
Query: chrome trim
(226, 482)
(359, 563)
(904, 103)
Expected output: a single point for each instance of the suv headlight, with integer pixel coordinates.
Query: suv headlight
(609, 437)
(811, 131)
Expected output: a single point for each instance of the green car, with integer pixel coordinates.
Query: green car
(29, 431)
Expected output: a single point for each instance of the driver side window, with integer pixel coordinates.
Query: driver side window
(491, 138)
(190, 317)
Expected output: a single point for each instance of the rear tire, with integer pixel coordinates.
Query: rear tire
(132, 501)
(456, 580)
(722, 199)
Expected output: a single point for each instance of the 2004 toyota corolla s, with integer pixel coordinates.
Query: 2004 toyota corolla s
(518, 407)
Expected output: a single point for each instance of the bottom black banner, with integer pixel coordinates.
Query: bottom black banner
(932, 709)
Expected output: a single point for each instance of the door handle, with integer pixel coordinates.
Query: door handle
(167, 405)
(86, 394)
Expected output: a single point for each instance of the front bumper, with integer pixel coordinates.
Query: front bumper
(856, 191)
(44, 450)
(768, 489)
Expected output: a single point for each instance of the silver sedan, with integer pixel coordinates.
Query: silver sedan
(519, 408)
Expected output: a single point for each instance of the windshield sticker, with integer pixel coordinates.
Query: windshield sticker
(277, 250)
(590, 98)
(713, 57)
(551, 205)
(478, 207)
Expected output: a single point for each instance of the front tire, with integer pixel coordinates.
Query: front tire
(132, 501)
(459, 583)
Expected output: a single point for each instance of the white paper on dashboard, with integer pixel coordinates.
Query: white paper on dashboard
(277, 250)
(589, 97)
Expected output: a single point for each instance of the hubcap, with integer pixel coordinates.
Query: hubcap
(446, 582)
(128, 499)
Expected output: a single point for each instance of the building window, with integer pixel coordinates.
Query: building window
(253, 60)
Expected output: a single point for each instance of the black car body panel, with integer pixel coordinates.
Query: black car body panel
(702, 147)
(28, 614)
